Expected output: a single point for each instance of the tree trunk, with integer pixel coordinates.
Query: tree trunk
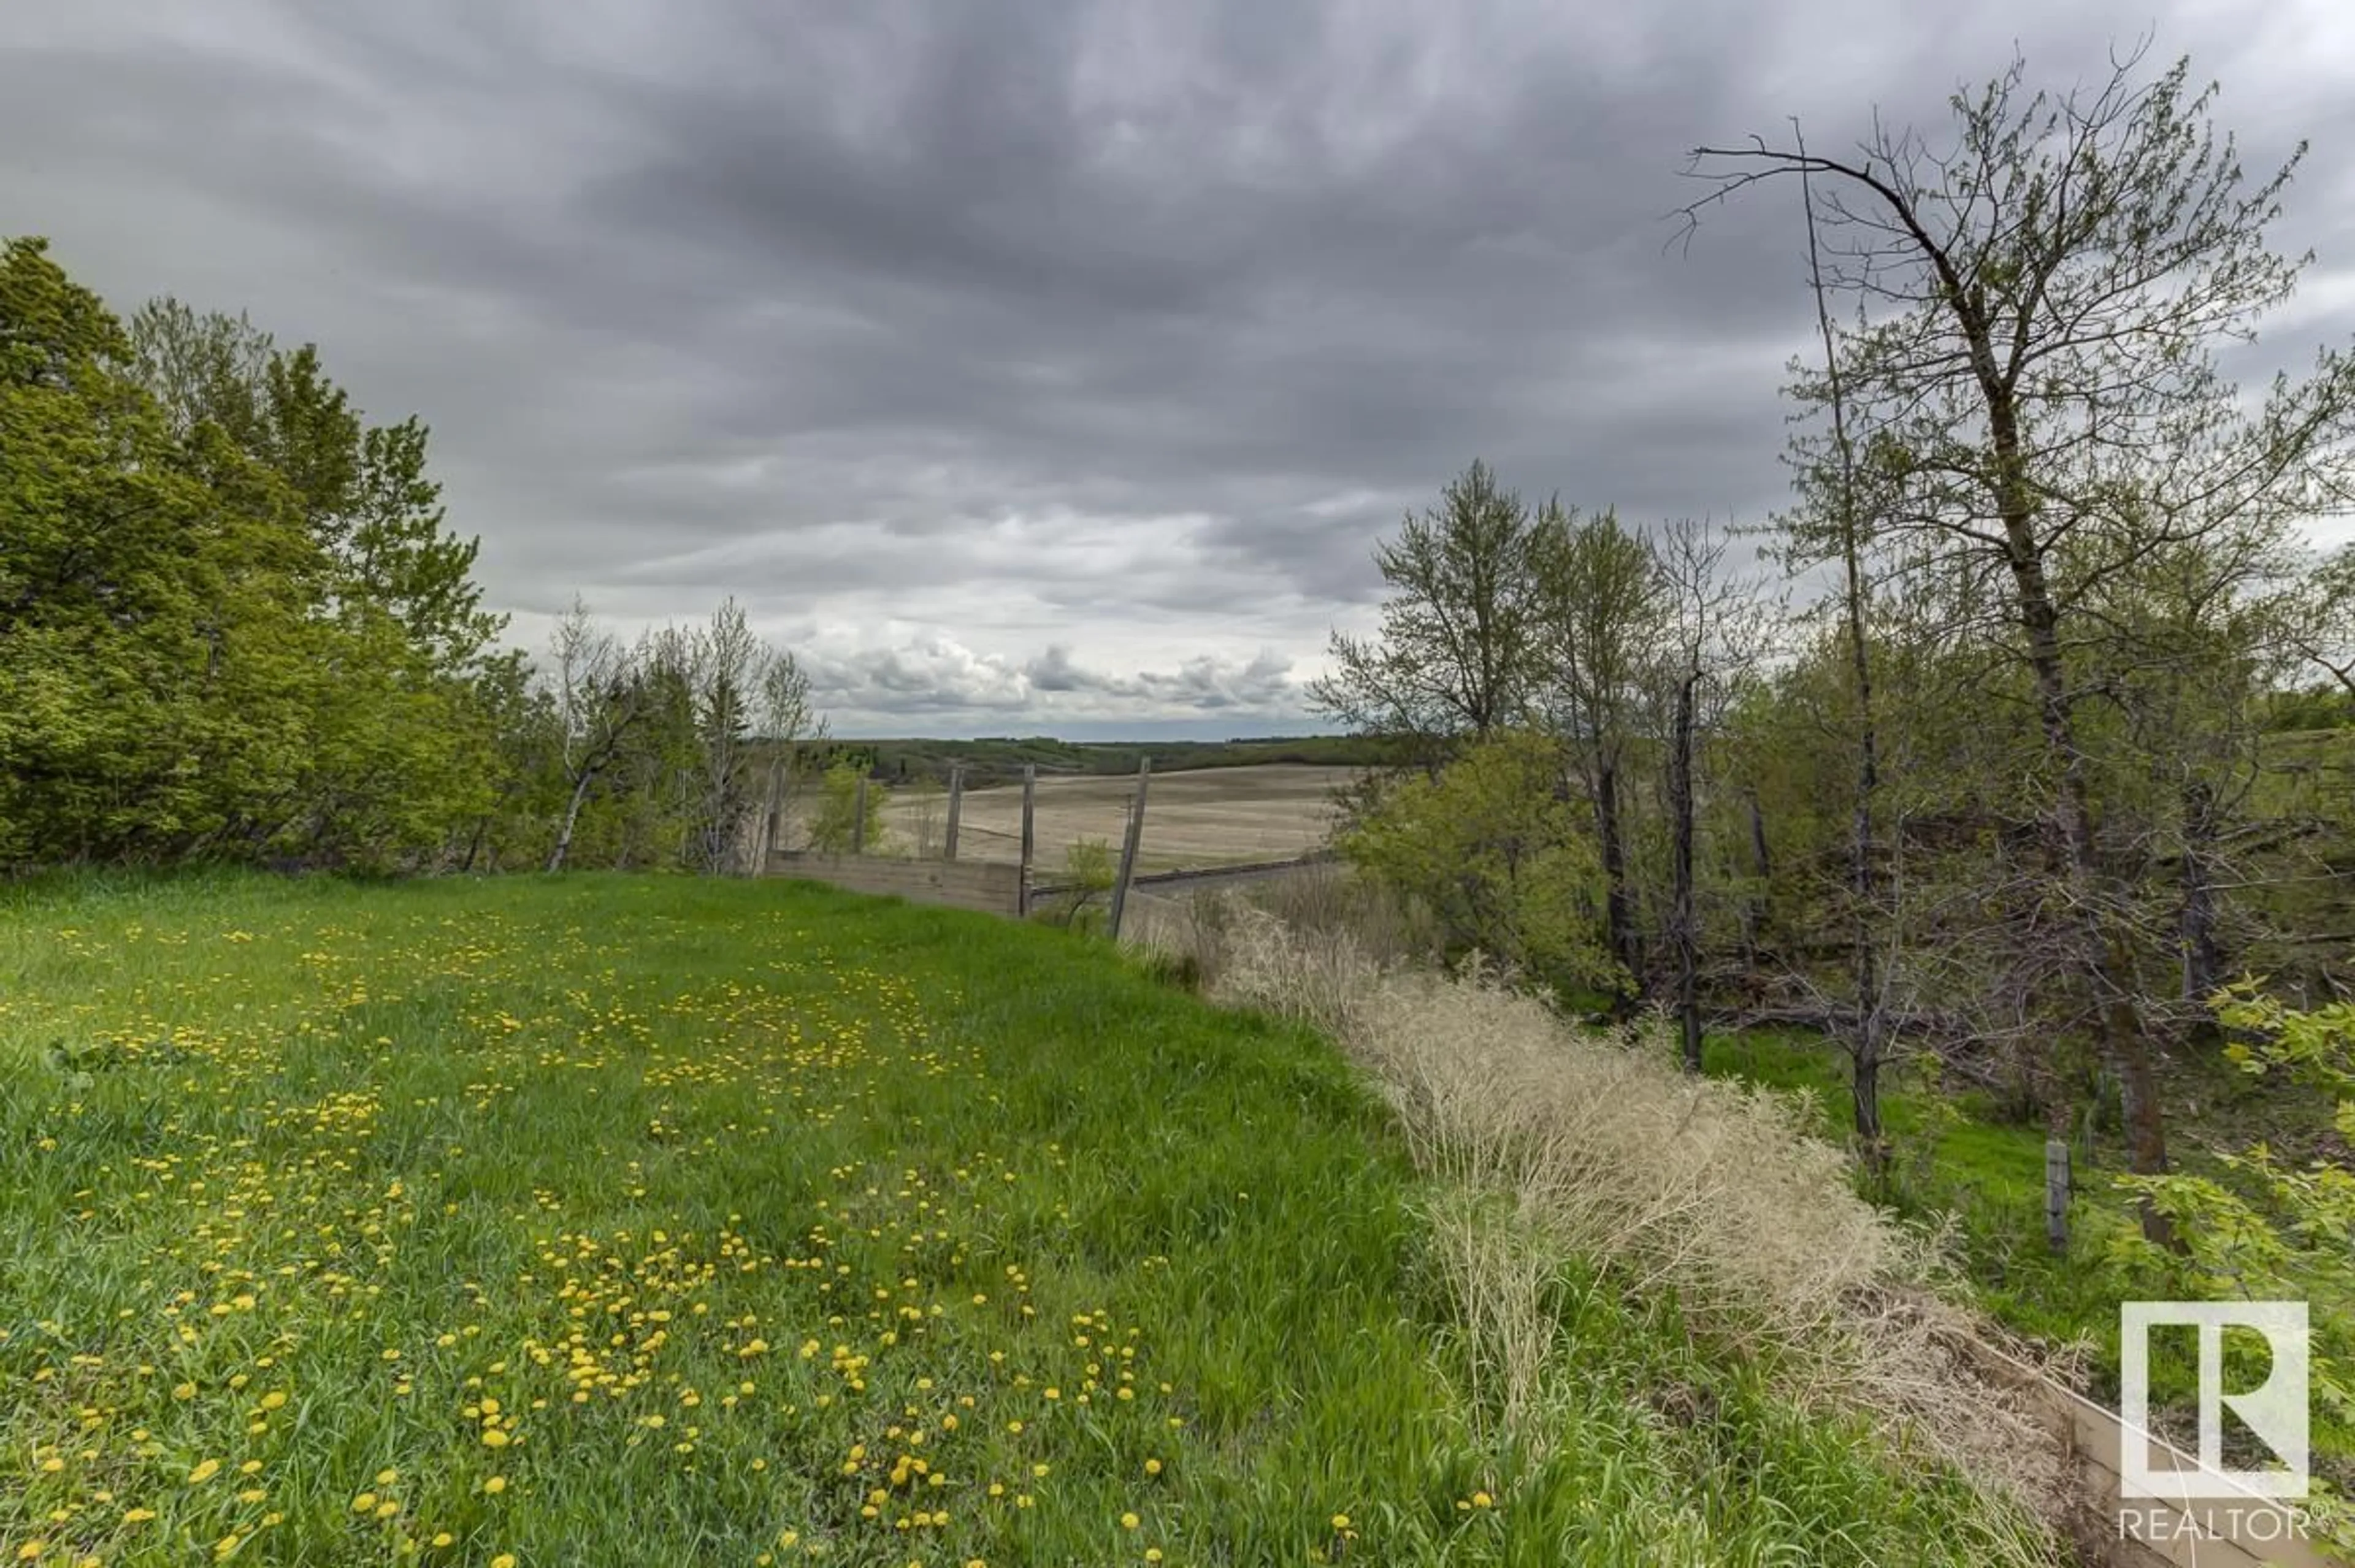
(2124, 1046)
(1872, 1023)
(1618, 920)
(571, 817)
(1682, 935)
(1865, 1055)
(1871, 1031)
(2204, 957)
(1755, 911)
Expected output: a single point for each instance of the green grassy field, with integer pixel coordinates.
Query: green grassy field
(629, 1220)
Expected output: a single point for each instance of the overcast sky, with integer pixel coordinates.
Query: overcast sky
(1033, 366)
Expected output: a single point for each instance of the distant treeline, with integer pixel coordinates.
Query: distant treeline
(998, 759)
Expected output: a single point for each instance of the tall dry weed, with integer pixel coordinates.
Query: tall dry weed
(1662, 1182)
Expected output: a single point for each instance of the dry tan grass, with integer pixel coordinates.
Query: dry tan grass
(1204, 816)
(1602, 1148)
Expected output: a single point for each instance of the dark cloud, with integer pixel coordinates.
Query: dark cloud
(1041, 363)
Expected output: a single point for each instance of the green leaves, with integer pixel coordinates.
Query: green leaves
(1495, 847)
(231, 623)
(834, 819)
(2276, 1228)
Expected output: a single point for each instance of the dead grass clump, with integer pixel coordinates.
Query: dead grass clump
(1712, 1191)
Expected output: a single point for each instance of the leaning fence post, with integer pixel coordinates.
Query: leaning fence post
(1128, 844)
(2056, 1193)
(771, 827)
(1029, 798)
(858, 818)
(956, 804)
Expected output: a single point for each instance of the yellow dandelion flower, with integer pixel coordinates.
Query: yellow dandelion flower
(496, 1485)
(205, 1471)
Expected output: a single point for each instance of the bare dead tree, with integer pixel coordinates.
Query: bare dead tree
(600, 703)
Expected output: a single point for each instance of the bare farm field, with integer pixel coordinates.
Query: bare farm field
(1206, 817)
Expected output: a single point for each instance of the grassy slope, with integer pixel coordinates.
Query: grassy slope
(724, 1204)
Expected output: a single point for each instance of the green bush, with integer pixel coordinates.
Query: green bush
(831, 823)
(2267, 1227)
(1087, 875)
(1495, 849)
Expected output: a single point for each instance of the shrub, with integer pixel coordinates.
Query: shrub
(1087, 875)
(837, 810)
(1492, 846)
(2270, 1228)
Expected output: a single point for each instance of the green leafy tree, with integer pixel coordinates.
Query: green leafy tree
(2035, 372)
(1600, 611)
(152, 602)
(1458, 647)
(1494, 846)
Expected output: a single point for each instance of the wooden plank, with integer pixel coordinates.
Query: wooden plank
(1128, 844)
(2232, 1534)
(987, 886)
(1204, 875)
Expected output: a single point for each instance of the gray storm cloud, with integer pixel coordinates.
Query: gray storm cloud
(1036, 363)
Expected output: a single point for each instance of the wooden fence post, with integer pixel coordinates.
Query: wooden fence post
(957, 804)
(1030, 799)
(771, 824)
(858, 819)
(1128, 846)
(2056, 1193)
